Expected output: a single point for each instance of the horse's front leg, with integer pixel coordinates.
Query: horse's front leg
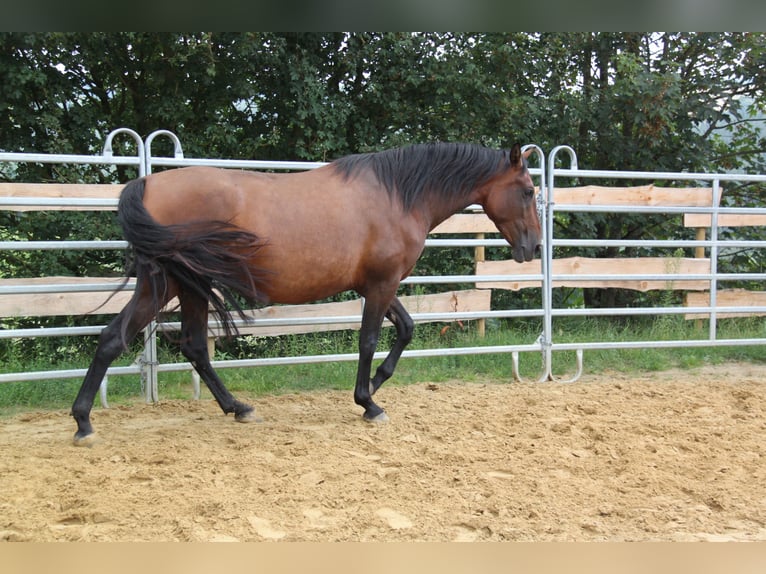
(405, 326)
(372, 320)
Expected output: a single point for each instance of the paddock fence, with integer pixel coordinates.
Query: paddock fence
(690, 264)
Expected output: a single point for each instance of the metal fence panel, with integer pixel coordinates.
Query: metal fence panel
(547, 173)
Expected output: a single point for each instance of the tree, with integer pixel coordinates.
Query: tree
(633, 101)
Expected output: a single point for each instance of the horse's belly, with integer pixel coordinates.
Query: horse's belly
(303, 281)
(301, 292)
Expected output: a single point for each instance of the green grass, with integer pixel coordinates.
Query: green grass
(58, 394)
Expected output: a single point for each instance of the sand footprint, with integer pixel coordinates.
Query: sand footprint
(264, 529)
(465, 533)
(317, 520)
(394, 519)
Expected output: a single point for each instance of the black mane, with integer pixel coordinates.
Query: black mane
(411, 172)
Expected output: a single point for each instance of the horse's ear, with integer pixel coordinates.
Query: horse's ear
(516, 155)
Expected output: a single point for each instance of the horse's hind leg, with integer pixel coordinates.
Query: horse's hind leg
(111, 344)
(194, 312)
(405, 326)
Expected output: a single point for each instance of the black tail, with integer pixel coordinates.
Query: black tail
(208, 258)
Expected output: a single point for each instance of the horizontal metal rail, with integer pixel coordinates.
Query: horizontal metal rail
(269, 361)
(658, 243)
(625, 311)
(656, 175)
(350, 319)
(679, 343)
(56, 245)
(237, 163)
(643, 209)
(58, 202)
(65, 374)
(50, 332)
(29, 289)
(69, 158)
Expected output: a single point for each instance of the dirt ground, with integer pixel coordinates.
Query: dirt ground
(672, 456)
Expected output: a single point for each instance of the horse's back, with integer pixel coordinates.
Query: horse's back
(322, 232)
(302, 200)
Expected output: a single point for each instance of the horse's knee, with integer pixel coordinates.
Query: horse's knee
(367, 344)
(194, 351)
(408, 329)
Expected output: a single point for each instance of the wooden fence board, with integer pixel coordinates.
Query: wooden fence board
(60, 190)
(450, 302)
(605, 266)
(66, 303)
(726, 298)
(466, 223)
(724, 220)
(645, 195)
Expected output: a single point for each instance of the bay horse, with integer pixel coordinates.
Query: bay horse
(213, 236)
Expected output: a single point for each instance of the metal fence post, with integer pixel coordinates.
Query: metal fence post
(547, 257)
(150, 361)
(109, 153)
(542, 214)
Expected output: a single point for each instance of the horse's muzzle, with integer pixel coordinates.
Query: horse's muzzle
(523, 252)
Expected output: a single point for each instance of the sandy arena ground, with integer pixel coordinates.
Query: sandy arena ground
(670, 456)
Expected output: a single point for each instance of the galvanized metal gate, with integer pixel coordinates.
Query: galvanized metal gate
(546, 173)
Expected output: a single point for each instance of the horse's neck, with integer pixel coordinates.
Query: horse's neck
(440, 211)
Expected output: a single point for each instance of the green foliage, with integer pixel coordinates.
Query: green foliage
(629, 101)
(623, 100)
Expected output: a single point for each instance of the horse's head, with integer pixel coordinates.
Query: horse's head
(509, 201)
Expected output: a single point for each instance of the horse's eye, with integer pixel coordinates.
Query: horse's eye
(529, 193)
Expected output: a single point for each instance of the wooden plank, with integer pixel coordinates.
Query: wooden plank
(650, 195)
(724, 220)
(340, 309)
(601, 266)
(84, 303)
(62, 280)
(450, 302)
(60, 190)
(54, 304)
(466, 223)
(726, 298)
(645, 195)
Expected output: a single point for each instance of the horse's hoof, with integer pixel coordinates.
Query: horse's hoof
(87, 440)
(380, 418)
(248, 417)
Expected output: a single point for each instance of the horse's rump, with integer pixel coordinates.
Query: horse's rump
(211, 259)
